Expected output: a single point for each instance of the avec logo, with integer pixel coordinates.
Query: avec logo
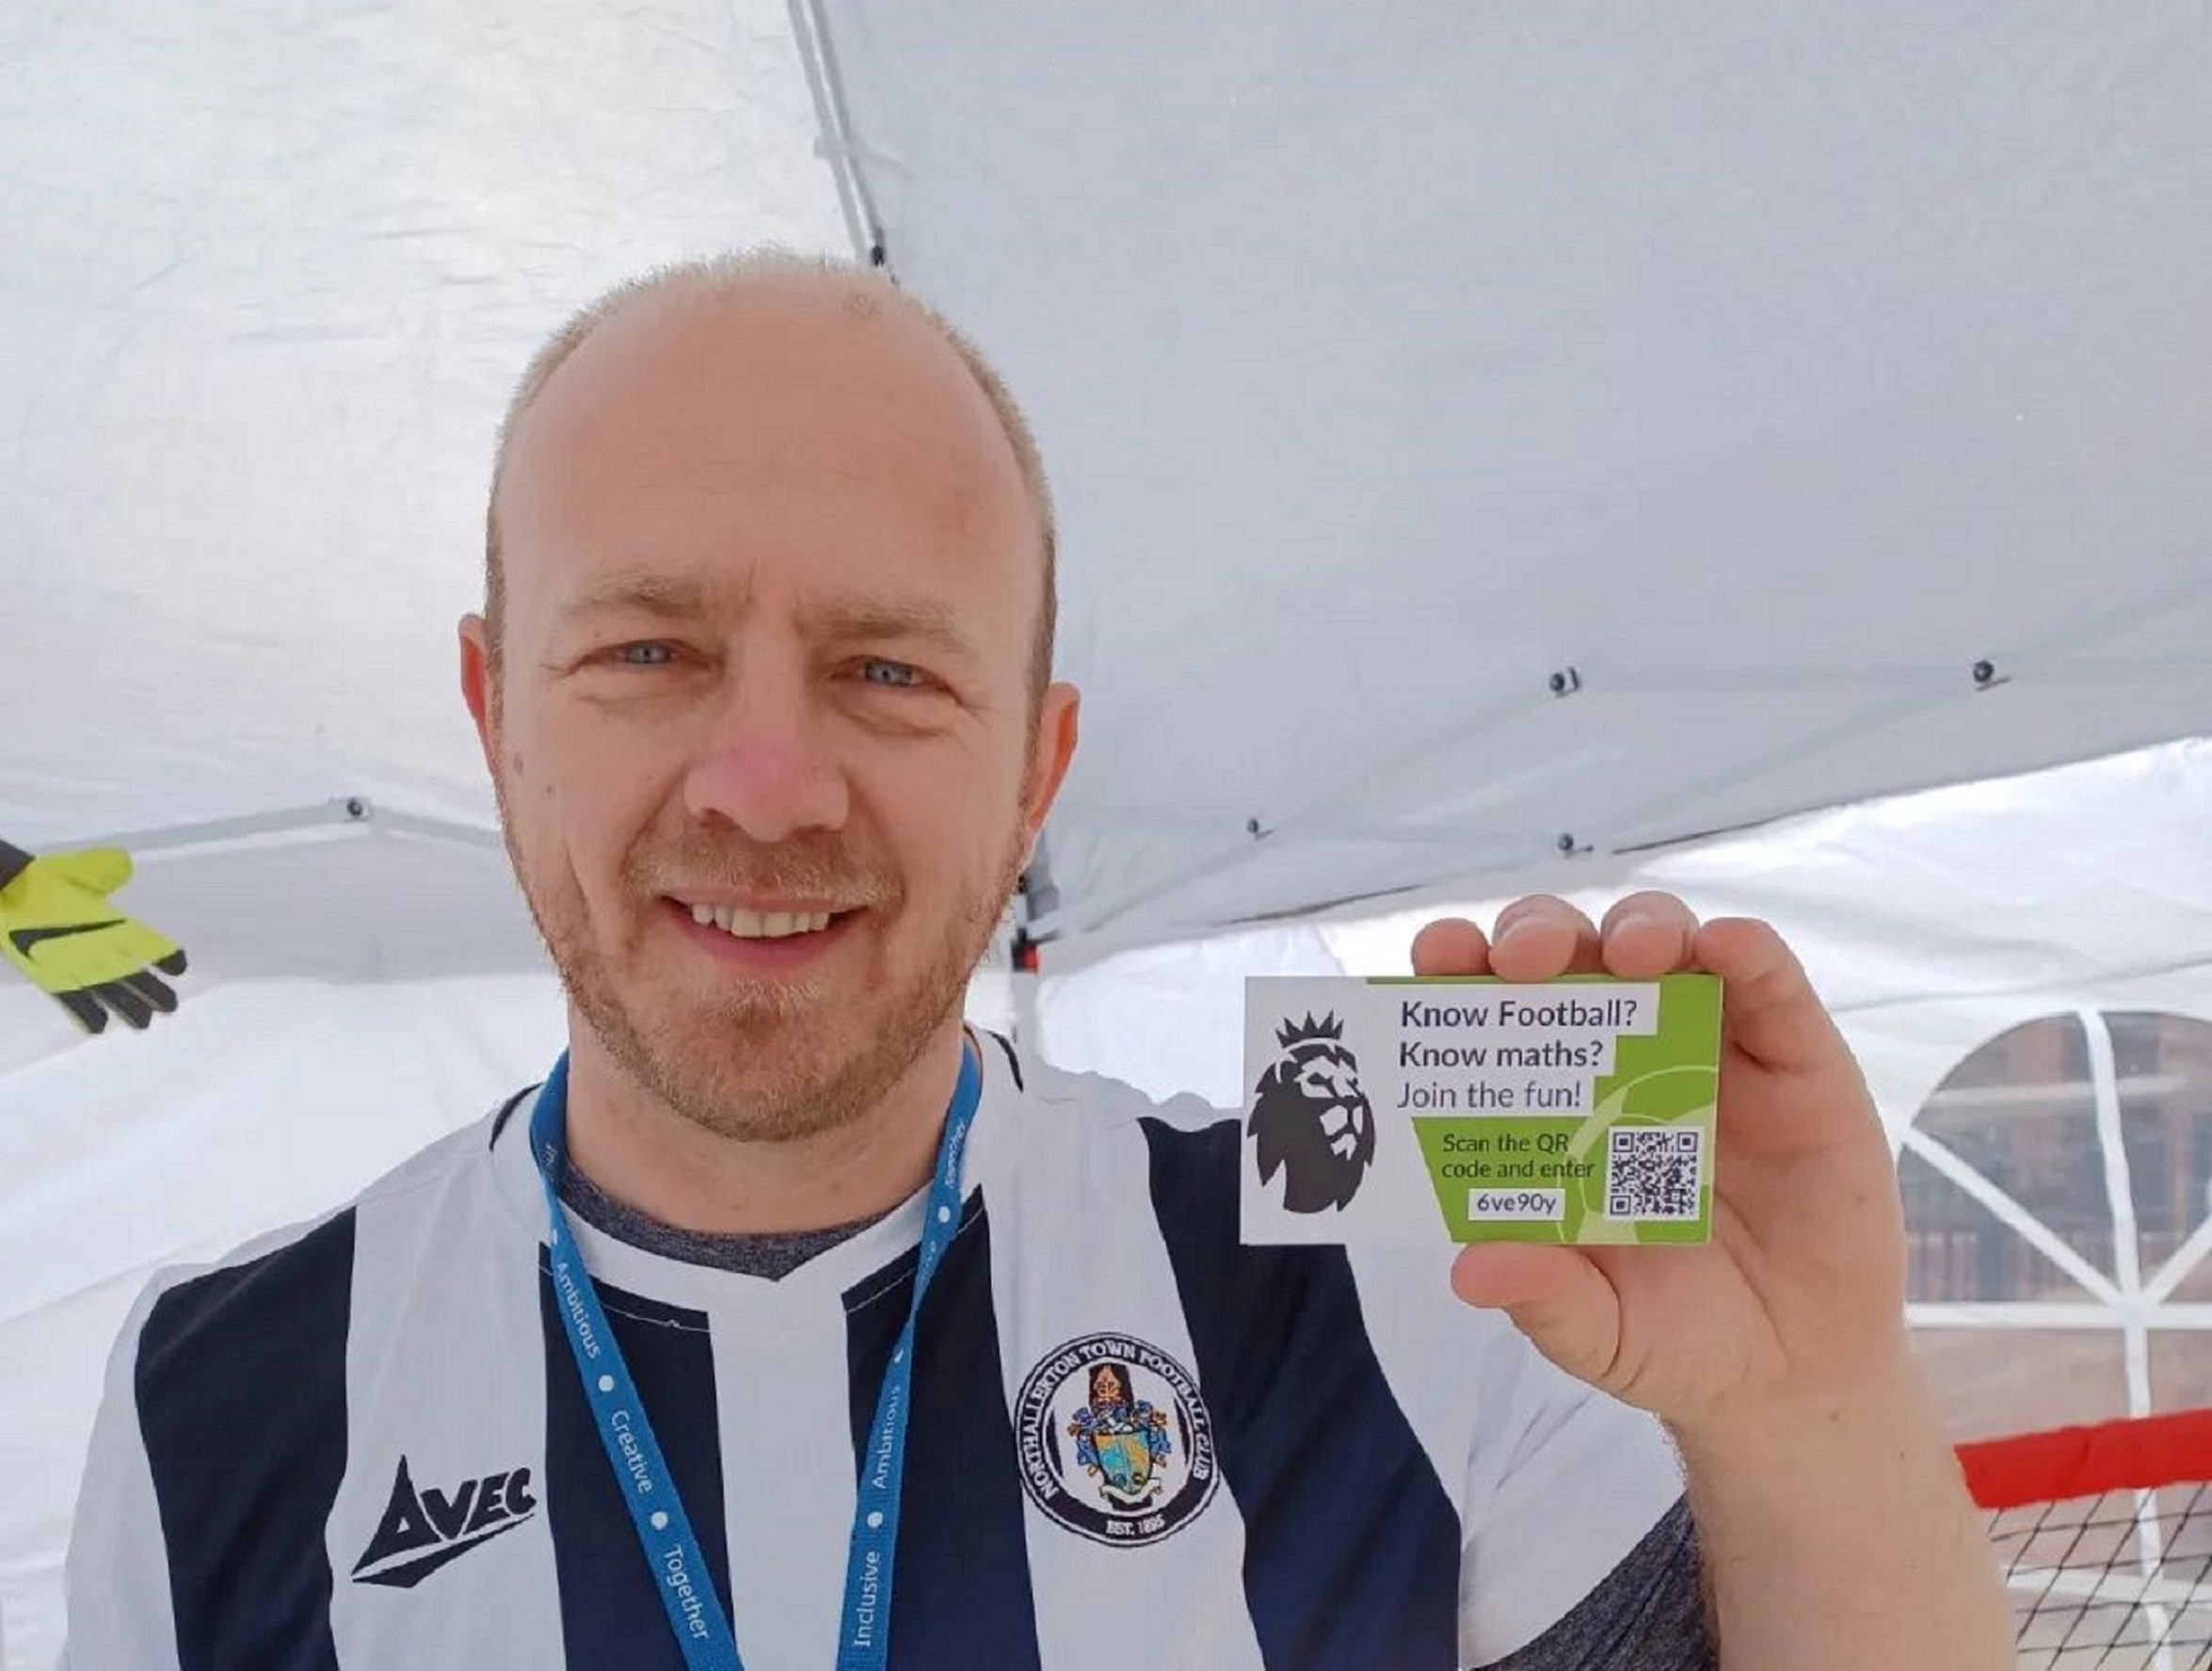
(422, 1531)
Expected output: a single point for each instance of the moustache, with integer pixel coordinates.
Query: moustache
(809, 871)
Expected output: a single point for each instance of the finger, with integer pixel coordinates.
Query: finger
(1451, 945)
(155, 991)
(172, 964)
(125, 1002)
(1542, 937)
(85, 1007)
(1773, 1014)
(1647, 934)
(1556, 1296)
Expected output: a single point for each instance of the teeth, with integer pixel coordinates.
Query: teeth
(759, 924)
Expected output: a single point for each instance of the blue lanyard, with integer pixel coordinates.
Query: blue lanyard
(663, 1530)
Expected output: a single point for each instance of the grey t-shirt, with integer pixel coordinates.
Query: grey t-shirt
(1647, 1615)
(774, 1255)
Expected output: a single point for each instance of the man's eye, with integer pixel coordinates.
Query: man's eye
(896, 675)
(649, 654)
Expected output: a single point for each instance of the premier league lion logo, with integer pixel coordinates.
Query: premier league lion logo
(1312, 1119)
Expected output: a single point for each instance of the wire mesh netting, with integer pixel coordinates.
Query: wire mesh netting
(2105, 1536)
(2119, 1581)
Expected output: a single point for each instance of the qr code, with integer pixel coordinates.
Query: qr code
(1652, 1171)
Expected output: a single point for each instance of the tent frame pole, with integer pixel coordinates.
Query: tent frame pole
(352, 811)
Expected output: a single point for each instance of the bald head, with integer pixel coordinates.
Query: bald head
(764, 287)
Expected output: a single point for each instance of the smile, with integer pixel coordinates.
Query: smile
(747, 924)
(756, 943)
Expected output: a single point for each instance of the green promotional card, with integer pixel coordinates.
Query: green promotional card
(1469, 1109)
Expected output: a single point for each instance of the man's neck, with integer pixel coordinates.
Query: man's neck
(640, 1152)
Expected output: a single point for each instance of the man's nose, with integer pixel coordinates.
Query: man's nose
(767, 771)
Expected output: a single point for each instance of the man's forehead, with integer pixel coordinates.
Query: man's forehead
(796, 396)
(737, 364)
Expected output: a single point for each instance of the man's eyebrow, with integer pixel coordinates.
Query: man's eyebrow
(862, 618)
(644, 593)
(925, 620)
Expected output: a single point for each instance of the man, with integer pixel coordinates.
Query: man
(763, 682)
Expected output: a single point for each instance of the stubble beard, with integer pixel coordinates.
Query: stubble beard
(767, 1062)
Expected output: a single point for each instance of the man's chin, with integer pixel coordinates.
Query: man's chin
(764, 1080)
(760, 1011)
(774, 1058)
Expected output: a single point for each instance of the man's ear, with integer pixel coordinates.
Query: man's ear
(477, 687)
(1053, 748)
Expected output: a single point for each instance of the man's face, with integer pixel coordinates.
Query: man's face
(765, 741)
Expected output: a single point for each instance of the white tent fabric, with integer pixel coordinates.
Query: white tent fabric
(2058, 881)
(1766, 368)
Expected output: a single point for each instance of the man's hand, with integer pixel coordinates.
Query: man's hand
(1835, 1525)
(57, 926)
(1800, 1295)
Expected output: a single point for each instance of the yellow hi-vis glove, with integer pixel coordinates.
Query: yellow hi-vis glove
(57, 927)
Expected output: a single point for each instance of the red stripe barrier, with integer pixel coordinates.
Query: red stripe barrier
(2137, 1454)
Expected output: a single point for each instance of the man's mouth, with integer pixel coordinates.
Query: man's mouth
(751, 924)
(778, 938)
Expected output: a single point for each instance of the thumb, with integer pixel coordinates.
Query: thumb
(1556, 1296)
(103, 870)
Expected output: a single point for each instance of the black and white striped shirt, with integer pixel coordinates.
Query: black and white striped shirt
(362, 1444)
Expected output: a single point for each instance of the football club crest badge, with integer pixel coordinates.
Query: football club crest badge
(1115, 1444)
